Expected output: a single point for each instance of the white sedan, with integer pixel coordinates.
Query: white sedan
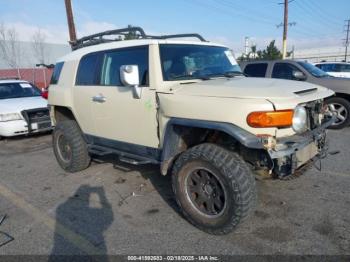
(22, 109)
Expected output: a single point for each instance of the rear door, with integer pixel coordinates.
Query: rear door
(256, 69)
(86, 83)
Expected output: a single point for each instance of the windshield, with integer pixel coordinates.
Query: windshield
(183, 62)
(17, 90)
(315, 71)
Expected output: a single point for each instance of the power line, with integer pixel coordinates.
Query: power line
(319, 12)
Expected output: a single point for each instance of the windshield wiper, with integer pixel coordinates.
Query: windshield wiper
(228, 74)
(231, 74)
(189, 77)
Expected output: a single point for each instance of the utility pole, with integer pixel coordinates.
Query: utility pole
(285, 27)
(346, 43)
(70, 19)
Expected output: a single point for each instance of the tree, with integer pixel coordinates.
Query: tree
(252, 51)
(130, 35)
(10, 48)
(271, 52)
(39, 47)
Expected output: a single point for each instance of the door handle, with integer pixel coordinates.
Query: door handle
(99, 99)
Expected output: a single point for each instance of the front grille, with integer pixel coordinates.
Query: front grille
(37, 119)
(38, 116)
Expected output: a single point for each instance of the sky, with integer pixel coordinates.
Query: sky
(318, 23)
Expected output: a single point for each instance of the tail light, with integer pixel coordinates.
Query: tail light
(45, 93)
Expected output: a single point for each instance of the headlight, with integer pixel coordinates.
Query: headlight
(299, 119)
(10, 117)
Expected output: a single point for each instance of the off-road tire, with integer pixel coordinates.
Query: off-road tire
(346, 104)
(70, 131)
(234, 175)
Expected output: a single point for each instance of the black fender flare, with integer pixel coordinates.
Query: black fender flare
(171, 138)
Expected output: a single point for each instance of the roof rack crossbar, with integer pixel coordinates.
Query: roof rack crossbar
(96, 39)
(201, 38)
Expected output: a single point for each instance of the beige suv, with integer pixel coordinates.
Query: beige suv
(186, 106)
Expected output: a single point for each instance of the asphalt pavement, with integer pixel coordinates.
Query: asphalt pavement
(114, 208)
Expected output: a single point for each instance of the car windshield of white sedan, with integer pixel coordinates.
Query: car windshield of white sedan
(315, 71)
(183, 62)
(18, 90)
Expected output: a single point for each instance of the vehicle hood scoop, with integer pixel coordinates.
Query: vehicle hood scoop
(244, 87)
(306, 91)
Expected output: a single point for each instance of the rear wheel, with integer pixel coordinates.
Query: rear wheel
(342, 107)
(214, 188)
(70, 147)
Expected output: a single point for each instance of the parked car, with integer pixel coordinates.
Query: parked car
(22, 109)
(305, 72)
(337, 69)
(186, 106)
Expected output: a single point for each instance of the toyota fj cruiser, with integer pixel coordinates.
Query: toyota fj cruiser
(186, 106)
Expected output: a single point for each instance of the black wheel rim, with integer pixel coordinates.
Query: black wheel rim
(342, 113)
(64, 149)
(206, 192)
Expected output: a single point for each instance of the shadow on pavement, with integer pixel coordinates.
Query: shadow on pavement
(85, 216)
(162, 184)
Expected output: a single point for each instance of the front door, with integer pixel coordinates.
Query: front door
(121, 120)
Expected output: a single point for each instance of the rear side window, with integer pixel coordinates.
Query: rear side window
(56, 73)
(89, 70)
(256, 70)
(113, 60)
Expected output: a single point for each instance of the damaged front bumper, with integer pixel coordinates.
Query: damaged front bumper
(292, 152)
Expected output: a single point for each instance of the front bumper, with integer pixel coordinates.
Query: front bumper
(19, 127)
(13, 128)
(292, 152)
(32, 123)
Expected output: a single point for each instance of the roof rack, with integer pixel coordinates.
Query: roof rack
(138, 32)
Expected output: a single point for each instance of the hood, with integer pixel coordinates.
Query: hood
(16, 105)
(244, 87)
(338, 84)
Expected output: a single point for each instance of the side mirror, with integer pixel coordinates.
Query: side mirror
(298, 75)
(129, 76)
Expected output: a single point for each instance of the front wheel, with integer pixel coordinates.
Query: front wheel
(342, 107)
(70, 147)
(214, 188)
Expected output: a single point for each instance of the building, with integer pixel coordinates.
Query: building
(318, 54)
(40, 77)
(27, 63)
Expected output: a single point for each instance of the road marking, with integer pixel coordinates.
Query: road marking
(74, 238)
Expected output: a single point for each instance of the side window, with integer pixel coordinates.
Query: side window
(56, 73)
(89, 70)
(113, 60)
(327, 67)
(256, 70)
(284, 71)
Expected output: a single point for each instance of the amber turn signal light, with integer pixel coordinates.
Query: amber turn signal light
(280, 118)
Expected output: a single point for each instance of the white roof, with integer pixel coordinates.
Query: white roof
(6, 81)
(75, 55)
